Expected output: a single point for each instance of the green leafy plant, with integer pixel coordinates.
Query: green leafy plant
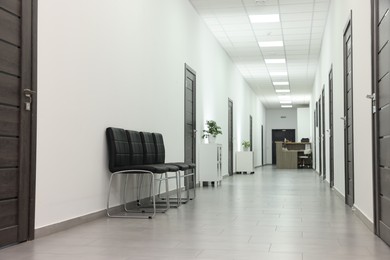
(246, 144)
(212, 129)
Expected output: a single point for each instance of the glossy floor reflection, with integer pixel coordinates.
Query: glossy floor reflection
(273, 214)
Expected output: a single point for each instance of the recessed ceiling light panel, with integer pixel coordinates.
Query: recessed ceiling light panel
(280, 83)
(286, 106)
(282, 90)
(285, 102)
(271, 44)
(275, 61)
(266, 18)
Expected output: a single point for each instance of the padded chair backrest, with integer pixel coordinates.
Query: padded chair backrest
(149, 148)
(118, 149)
(136, 148)
(159, 146)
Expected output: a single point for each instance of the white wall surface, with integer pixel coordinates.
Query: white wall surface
(121, 63)
(303, 123)
(274, 120)
(332, 54)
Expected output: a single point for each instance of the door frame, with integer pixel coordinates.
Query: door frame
(230, 138)
(346, 168)
(187, 69)
(331, 126)
(33, 128)
(319, 136)
(323, 134)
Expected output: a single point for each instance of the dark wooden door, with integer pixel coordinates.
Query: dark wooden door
(331, 143)
(381, 111)
(190, 117)
(348, 114)
(314, 143)
(323, 145)
(281, 135)
(320, 136)
(262, 145)
(16, 81)
(230, 136)
(251, 132)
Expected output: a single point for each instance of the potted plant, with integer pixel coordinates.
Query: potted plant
(246, 145)
(212, 131)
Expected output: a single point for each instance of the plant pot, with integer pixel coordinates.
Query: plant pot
(211, 139)
(246, 149)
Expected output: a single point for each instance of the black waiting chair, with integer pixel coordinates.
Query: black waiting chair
(150, 156)
(143, 149)
(126, 159)
(186, 168)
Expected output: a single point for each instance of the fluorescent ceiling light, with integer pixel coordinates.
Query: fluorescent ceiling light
(285, 102)
(274, 61)
(266, 18)
(282, 90)
(280, 83)
(271, 44)
(286, 106)
(281, 73)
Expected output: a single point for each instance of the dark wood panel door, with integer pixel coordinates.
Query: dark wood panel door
(230, 136)
(320, 136)
(16, 131)
(381, 112)
(323, 140)
(348, 114)
(331, 142)
(190, 117)
(251, 132)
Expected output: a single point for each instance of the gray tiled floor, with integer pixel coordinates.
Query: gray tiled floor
(273, 214)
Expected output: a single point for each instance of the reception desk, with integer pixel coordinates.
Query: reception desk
(287, 154)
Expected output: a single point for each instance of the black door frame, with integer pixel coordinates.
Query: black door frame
(349, 195)
(380, 229)
(188, 69)
(319, 136)
(262, 145)
(230, 136)
(251, 132)
(323, 134)
(331, 138)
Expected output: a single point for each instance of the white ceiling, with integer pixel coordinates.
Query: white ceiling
(301, 27)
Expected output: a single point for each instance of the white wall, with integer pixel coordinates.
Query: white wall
(274, 120)
(332, 53)
(303, 123)
(121, 63)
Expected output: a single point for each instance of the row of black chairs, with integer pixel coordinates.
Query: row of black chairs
(143, 154)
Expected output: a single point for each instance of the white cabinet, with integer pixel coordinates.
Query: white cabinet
(244, 162)
(210, 163)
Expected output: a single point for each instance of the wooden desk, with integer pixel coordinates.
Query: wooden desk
(287, 154)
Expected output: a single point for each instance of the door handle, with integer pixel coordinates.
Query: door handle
(343, 118)
(371, 96)
(27, 93)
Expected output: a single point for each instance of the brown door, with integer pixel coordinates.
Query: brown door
(331, 143)
(381, 110)
(230, 136)
(190, 117)
(16, 77)
(348, 115)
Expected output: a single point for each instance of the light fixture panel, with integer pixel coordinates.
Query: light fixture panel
(271, 44)
(265, 18)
